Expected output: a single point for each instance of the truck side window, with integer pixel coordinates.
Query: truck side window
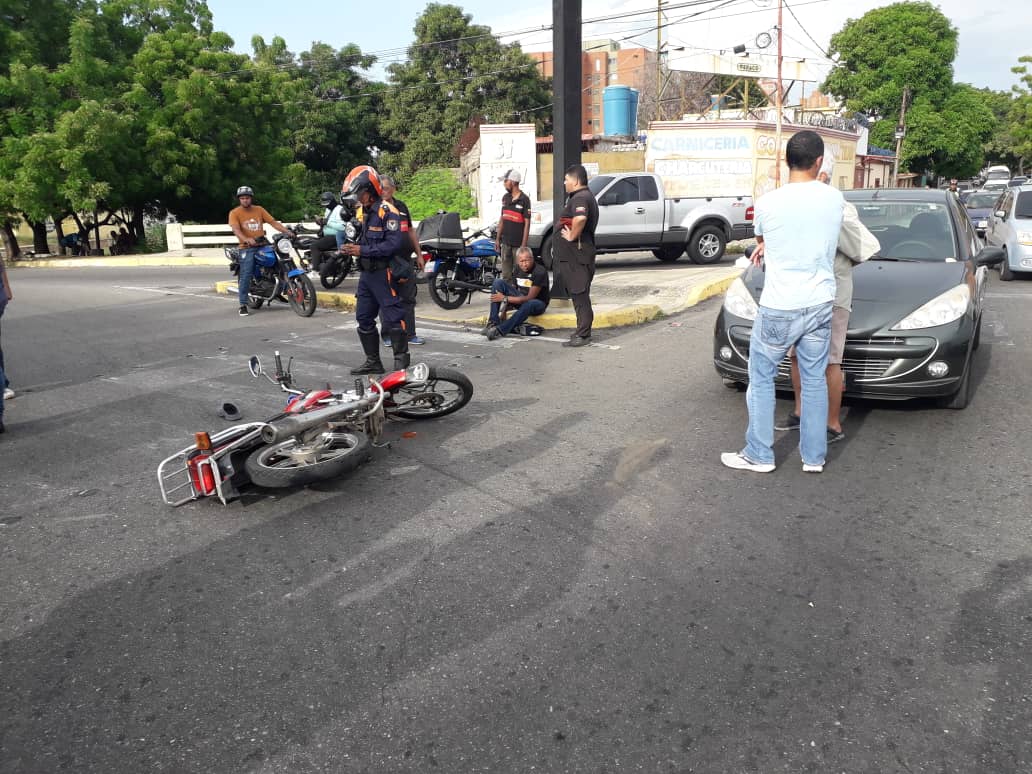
(648, 190)
(622, 192)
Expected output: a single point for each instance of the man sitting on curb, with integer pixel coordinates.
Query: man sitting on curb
(529, 295)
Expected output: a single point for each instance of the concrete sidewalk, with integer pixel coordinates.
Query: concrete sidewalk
(618, 297)
(194, 257)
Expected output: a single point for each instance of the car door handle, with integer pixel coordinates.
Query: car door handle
(640, 211)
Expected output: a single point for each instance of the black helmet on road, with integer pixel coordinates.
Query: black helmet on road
(244, 190)
(327, 199)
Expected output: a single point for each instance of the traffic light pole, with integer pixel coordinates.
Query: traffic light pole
(566, 112)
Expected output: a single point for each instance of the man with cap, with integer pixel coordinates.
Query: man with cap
(514, 224)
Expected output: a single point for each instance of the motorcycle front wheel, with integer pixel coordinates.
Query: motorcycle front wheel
(444, 392)
(292, 463)
(301, 295)
(334, 271)
(440, 293)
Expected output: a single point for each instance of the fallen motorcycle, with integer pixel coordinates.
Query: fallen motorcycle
(279, 270)
(320, 434)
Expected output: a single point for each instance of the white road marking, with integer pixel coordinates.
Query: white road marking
(163, 292)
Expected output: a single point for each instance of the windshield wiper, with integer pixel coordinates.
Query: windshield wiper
(880, 257)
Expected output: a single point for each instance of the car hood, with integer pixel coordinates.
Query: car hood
(884, 292)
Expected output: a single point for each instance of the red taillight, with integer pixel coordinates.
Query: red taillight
(202, 475)
(748, 213)
(426, 256)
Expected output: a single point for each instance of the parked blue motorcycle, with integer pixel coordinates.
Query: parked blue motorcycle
(277, 272)
(456, 266)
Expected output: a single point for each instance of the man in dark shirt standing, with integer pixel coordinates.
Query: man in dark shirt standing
(530, 295)
(407, 290)
(514, 224)
(575, 250)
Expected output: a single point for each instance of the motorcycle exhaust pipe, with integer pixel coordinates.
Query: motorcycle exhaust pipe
(288, 427)
(459, 285)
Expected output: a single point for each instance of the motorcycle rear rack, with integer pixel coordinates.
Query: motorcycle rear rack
(174, 474)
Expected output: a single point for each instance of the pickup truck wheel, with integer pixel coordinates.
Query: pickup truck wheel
(707, 245)
(669, 253)
(546, 252)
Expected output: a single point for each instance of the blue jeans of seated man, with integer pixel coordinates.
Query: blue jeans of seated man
(774, 331)
(521, 311)
(246, 272)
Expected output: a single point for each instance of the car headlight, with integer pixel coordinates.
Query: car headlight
(739, 301)
(1025, 237)
(950, 306)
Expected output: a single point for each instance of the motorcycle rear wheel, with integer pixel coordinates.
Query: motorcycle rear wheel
(444, 392)
(442, 296)
(291, 463)
(334, 272)
(301, 295)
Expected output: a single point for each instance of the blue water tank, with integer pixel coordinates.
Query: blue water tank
(619, 111)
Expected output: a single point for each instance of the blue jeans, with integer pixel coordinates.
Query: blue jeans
(774, 331)
(523, 311)
(246, 272)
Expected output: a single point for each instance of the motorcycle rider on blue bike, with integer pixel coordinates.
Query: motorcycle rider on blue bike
(383, 239)
(247, 222)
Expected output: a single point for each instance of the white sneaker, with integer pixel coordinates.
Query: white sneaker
(813, 468)
(739, 461)
(8, 393)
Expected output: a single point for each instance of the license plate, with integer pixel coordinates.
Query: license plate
(430, 267)
(983, 224)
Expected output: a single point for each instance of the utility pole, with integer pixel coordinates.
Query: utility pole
(777, 105)
(566, 110)
(659, 65)
(901, 131)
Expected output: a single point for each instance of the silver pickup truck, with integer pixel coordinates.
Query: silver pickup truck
(634, 215)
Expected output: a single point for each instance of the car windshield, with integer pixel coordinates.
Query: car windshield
(910, 230)
(599, 182)
(981, 201)
(1023, 207)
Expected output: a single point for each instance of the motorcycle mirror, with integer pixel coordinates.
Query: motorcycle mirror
(254, 365)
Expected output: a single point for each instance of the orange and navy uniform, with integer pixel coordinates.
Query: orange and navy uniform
(384, 234)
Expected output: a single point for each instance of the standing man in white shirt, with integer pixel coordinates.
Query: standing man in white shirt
(856, 244)
(797, 232)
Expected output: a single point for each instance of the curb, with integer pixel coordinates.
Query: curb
(114, 262)
(632, 314)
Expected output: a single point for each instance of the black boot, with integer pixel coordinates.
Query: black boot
(399, 343)
(371, 346)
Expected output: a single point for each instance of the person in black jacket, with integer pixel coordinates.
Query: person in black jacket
(575, 250)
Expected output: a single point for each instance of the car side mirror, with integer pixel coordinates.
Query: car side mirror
(254, 365)
(990, 256)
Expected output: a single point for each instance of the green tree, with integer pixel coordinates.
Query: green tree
(434, 188)
(910, 46)
(1020, 116)
(456, 72)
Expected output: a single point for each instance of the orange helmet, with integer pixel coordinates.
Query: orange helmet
(362, 178)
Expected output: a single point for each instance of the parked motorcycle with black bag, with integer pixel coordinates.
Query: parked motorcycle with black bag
(279, 273)
(456, 266)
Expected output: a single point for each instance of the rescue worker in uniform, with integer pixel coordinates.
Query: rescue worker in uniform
(383, 239)
(575, 250)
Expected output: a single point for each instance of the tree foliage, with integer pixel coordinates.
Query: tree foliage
(456, 73)
(1020, 115)
(911, 46)
(434, 188)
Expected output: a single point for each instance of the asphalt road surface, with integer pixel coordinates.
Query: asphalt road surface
(561, 577)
